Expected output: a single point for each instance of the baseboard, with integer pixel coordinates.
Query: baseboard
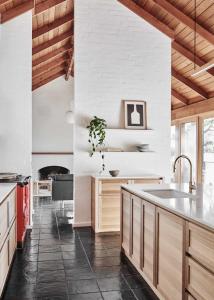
(82, 224)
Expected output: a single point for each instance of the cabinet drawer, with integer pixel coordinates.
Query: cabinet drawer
(3, 220)
(111, 186)
(200, 281)
(4, 264)
(201, 245)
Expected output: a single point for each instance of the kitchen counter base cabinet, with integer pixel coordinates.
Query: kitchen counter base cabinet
(105, 201)
(174, 256)
(7, 236)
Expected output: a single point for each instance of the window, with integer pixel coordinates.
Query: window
(188, 148)
(208, 151)
(194, 137)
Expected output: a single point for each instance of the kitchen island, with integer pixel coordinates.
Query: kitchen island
(168, 235)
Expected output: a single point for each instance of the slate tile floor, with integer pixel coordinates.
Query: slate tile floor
(59, 263)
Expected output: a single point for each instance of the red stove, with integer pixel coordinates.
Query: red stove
(23, 205)
(23, 210)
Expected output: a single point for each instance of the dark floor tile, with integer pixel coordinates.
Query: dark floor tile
(128, 270)
(49, 242)
(49, 230)
(51, 265)
(106, 262)
(136, 281)
(44, 236)
(103, 272)
(65, 297)
(50, 256)
(145, 294)
(112, 284)
(73, 247)
(51, 276)
(70, 264)
(73, 255)
(22, 291)
(82, 286)
(118, 295)
(51, 289)
(49, 248)
(90, 296)
(79, 273)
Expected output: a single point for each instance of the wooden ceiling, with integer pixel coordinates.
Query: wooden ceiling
(53, 22)
(52, 36)
(176, 19)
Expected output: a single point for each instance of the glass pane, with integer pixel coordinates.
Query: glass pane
(174, 148)
(188, 148)
(208, 152)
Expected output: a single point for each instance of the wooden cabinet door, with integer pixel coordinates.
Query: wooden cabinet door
(170, 255)
(12, 206)
(109, 213)
(136, 230)
(3, 220)
(12, 242)
(4, 264)
(126, 207)
(148, 240)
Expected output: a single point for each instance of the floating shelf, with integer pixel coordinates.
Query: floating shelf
(129, 129)
(126, 152)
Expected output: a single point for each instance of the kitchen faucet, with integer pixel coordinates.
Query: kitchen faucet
(191, 185)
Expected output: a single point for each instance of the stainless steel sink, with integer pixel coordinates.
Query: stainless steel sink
(169, 193)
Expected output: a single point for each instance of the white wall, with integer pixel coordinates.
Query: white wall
(16, 95)
(119, 56)
(51, 132)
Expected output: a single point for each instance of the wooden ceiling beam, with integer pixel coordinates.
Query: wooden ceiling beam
(52, 54)
(190, 84)
(69, 67)
(45, 5)
(186, 20)
(180, 97)
(49, 66)
(197, 108)
(138, 10)
(52, 42)
(47, 74)
(48, 79)
(59, 22)
(16, 11)
(190, 55)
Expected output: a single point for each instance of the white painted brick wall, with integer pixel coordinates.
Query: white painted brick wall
(119, 56)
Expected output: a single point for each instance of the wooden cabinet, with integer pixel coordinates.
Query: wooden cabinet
(136, 212)
(148, 240)
(126, 208)
(200, 281)
(4, 263)
(170, 255)
(175, 257)
(201, 245)
(8, 236)
(105, 201)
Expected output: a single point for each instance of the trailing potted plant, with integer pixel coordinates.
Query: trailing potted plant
(97, 136)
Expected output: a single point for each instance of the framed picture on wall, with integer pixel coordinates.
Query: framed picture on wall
(135, 114)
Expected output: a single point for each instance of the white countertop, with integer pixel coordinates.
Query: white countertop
(142, 176)
(199, 208)
(5, 189)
